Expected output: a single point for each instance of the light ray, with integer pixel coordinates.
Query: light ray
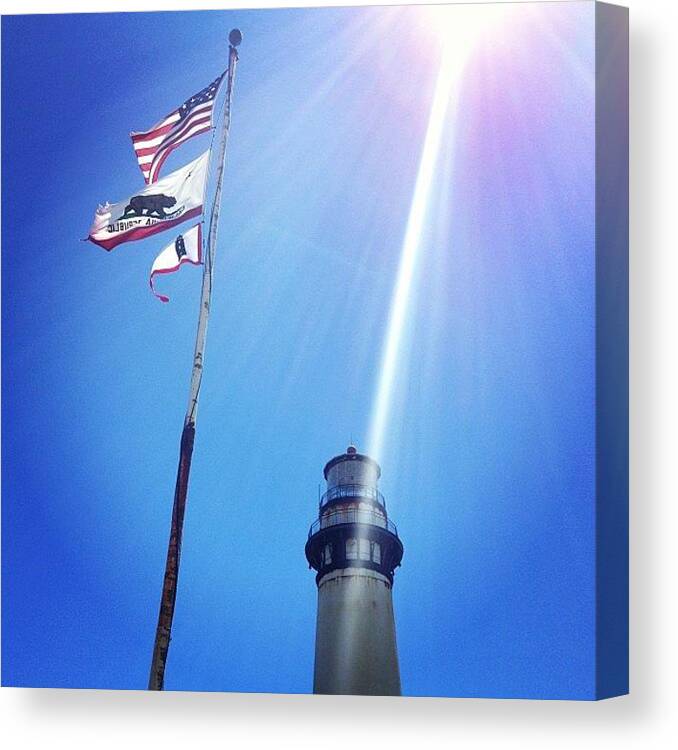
(458, 33)
(409, 257)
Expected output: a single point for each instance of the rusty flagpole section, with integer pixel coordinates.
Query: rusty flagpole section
(163, 633)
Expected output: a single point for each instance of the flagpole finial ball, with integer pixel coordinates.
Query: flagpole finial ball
(235, 37)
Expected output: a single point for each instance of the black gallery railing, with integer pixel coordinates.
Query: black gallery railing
(351, 491)
(352, 515)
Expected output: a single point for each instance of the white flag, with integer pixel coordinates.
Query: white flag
(158, 206)
(187, 248)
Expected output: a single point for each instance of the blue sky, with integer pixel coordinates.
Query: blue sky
(487, 464)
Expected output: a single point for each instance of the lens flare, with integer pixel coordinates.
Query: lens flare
(458, 31)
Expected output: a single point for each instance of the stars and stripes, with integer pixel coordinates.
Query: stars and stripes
(193, 117)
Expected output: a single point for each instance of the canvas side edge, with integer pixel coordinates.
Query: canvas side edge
(612, 350)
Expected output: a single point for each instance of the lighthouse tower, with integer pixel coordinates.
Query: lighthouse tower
(355, 549)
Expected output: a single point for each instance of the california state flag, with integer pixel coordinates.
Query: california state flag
(187, 248)
(155, 208)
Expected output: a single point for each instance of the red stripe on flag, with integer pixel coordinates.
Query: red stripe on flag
(136, 137)
(190, 122)
(139, 233)
(200, 111)
(150, 150)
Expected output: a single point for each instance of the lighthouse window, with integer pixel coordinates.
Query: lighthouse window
(351, 549)
(376, 553)
(327, 555)
(364, 549)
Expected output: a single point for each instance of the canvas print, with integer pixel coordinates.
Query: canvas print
(315, 350)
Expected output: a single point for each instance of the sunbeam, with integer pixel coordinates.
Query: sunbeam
(458, 34)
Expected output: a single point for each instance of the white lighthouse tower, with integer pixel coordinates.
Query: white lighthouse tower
(355, 549)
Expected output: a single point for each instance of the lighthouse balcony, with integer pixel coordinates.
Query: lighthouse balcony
(352, 516)
(352, 491)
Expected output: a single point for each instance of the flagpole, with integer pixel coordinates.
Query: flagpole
(156, 678)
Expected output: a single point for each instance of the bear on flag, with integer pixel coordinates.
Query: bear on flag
(155, 208)
(186, 248)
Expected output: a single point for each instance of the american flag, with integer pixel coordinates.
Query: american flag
(193, 117)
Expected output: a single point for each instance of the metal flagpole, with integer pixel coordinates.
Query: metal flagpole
(156, 678)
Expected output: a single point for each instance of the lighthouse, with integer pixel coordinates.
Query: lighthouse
(355, 549)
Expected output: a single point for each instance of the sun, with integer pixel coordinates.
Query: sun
(461, 27)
